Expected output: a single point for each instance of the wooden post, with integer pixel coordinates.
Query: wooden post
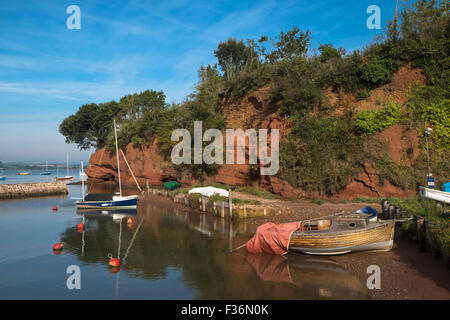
(148, 188)
(245, 211)
(230, 237)
(230, 203)
(421, 234)
(265, 213)
(222, 213)
(214, 207)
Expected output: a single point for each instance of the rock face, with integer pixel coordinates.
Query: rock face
(147, 163)
(255, 110)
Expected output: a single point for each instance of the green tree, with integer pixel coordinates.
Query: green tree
(290, 45)
(90, 125)
(327, 52)
(233, 56)
(137, 105)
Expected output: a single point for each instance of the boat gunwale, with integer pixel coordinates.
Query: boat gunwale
(370, 226)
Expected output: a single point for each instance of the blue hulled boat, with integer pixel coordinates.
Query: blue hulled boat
(107, 202)
(117, 202)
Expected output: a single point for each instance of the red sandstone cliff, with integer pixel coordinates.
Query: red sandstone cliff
(253, 109)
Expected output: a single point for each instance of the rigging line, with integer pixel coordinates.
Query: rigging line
(142, 192)
(120, 236)
(117, 156)
(132, 240)
(82, 244)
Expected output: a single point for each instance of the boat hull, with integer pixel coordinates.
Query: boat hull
(108, 205)
(45, 173)
(375, 238)
(436, 195)
(65, 178)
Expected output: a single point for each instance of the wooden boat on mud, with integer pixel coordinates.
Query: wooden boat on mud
(338, 234)
(342, 233)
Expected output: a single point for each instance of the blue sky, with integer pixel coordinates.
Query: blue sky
(47, 71)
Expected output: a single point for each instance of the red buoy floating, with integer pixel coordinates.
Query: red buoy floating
(80, 226)
(57, 247)
(114, 262)
(55, 208)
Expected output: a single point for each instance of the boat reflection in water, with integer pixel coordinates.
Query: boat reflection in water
(321, 276)
(116, 215)
(166, 247)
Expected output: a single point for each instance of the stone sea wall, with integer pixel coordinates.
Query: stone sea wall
(11, 191)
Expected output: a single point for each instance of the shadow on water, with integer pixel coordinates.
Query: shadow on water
(155, 240)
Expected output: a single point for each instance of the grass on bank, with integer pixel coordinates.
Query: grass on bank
(321, 201)
(437, 214)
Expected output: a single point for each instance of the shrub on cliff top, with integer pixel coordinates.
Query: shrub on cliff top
(377, 70)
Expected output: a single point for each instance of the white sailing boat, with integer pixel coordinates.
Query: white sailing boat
(115, 201)
(67, 177)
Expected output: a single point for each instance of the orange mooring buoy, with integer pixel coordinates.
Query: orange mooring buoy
(55, 208)
(130, 221)
(80, 226)
(114, 262)
(57, 246)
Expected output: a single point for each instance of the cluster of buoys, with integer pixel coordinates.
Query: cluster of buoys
(114, 263)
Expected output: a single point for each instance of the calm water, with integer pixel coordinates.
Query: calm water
(12, 176)
(166, 254)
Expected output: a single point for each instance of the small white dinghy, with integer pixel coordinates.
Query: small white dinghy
(436, 195)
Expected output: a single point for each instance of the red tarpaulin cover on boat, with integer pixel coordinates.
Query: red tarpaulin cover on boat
(272, 238)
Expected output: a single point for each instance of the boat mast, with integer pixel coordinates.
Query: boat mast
(82, 183)
(67, 164)
(117, 154)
